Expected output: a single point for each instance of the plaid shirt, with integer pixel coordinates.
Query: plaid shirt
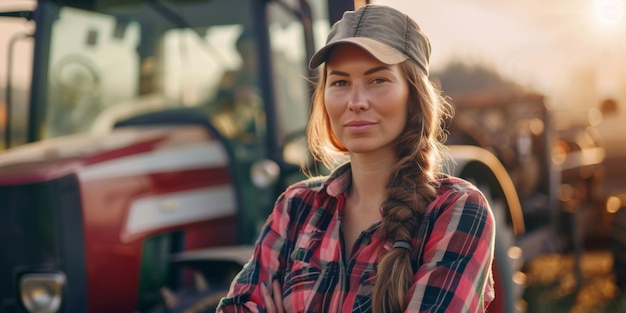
(301, 246)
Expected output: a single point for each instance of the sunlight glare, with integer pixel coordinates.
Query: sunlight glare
(609, 12)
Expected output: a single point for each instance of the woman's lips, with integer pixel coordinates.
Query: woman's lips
(359, 125)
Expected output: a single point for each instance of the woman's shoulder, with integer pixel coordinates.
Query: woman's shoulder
(451, 189)
(330, 185)
(452, 184)
(300, 196)
(310, 185)
(295, 206)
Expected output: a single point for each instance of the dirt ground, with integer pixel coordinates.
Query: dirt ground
(552, 285)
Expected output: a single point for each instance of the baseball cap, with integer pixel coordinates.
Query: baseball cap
(388, 34)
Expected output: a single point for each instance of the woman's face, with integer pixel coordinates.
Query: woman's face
(365, 99)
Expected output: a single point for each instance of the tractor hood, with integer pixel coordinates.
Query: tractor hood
(85, 153)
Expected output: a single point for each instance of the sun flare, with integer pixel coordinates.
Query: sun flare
(609, 12)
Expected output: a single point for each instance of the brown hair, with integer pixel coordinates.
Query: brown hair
(420, 152)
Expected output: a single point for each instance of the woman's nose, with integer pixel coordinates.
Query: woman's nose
(358, 99)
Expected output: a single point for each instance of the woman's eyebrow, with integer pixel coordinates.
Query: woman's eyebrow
(378, 69)
(370, 71)
(339, 73)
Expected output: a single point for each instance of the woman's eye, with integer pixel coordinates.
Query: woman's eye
(339, 83)
(379, 80)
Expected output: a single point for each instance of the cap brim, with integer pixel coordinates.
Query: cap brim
(382, 52)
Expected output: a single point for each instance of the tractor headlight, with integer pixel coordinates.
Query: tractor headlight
(42, 292)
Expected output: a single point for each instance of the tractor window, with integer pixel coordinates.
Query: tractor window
(291, 82)
(237, 107)
(148, 56)
(16, 52)
(217, 71)
(93, 67)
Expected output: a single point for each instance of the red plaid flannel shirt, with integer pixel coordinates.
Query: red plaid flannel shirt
(301, 246)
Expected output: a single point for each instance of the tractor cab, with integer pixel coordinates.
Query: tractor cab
(149, 128)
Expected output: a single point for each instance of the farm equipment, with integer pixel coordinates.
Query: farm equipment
(154, 127)
(552, 199)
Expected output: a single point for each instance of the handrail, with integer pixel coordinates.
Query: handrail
(9, 87)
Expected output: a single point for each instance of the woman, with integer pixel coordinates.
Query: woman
(385, 231)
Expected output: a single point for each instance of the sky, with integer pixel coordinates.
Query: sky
(572, 51)
(540, 43)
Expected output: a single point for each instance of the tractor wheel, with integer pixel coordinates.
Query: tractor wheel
(505, 264)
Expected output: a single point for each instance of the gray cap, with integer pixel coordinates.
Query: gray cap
(388, 34)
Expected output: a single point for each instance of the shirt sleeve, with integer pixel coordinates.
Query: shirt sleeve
(456, 271)
(269, 255)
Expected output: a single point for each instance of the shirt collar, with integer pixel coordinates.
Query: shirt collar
(339, 180)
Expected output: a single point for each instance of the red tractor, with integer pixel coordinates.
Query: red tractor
(155, 127)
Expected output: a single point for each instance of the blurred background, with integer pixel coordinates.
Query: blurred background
(569, 54)
(572, 51)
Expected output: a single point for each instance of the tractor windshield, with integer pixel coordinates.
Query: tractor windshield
(110, 62)
(16, 48)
